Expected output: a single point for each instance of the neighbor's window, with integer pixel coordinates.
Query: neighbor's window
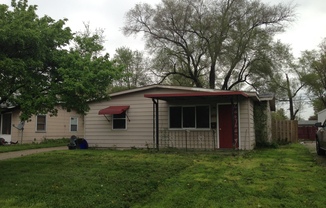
(6, 123)
(189, 117)
(41, 123)
(73, 124)
(119, 121)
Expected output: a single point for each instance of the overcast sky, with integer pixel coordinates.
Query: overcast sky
(304, 34)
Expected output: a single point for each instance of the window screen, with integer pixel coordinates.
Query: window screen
(119, 121)
(73, 124)
(6, 123)
(202, 116)
(189, 117)
(175, 117)
(41, 123)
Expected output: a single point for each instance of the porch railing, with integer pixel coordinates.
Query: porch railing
(188, 139)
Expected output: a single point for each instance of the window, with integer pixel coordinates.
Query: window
(41, 123)
(119, 121)
(73, 124)
(189, 117)
(6, 123)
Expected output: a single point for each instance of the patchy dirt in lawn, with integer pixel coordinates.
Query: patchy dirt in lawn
(15, 154)
(311, 145)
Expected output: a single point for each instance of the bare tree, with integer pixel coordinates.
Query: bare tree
(213, 43)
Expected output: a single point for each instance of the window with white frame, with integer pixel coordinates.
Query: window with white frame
(184, 117)
(41, 123)
(73, 124)
(119, 121)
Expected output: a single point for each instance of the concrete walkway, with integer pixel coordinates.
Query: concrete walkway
(7, 155)
(15, 154)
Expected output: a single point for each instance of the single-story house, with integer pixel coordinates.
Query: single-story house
(160, 116)
(39, 127)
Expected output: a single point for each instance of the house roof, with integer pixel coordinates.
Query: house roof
(170, 96)
(189, 89)
(197, 93)
(307, 122)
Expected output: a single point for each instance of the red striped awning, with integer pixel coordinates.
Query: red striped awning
(113, 110)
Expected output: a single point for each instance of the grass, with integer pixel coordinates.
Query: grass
(285, 177)
(43, 144)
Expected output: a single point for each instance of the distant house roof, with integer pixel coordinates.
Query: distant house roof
(307, 122)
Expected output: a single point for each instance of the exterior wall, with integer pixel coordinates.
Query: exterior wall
(321, 116)
(139, 132)
(56, 127)
(269, 123)
(247, 131)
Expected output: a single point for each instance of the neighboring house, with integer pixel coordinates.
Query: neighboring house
(321, 116)
(178, 117)
(40, 127)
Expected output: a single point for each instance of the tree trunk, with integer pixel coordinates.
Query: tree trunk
(212, 76)
(292, 115)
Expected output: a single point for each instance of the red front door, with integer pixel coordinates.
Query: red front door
(225, 116)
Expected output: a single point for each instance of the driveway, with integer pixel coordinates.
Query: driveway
(311, 145)
(320, 159)
(15, 154)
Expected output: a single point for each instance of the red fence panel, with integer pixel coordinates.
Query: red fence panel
(307, 132)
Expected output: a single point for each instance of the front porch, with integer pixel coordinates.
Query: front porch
(188, 139)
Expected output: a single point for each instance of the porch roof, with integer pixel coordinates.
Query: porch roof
(201, 95)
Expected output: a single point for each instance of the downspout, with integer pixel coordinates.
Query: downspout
(238, 123)
(232, 119)
(153, 123)
(155, 104)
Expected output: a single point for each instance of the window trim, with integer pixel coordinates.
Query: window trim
(190, 128)
(45, 123)
(73, 117)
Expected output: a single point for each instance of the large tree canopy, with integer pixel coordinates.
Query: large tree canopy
(135, 73)
(314, 62)
(38, 71)
(214, 43)
(283, 77)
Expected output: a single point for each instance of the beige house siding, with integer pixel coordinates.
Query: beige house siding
(247, 131)
(56, 127)
(139, 132)
(252, 125)
(269, 122)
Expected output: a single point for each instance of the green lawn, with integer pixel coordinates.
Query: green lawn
(285, 177)
(44, 144)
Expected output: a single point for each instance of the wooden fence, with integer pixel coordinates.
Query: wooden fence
(285, 131)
